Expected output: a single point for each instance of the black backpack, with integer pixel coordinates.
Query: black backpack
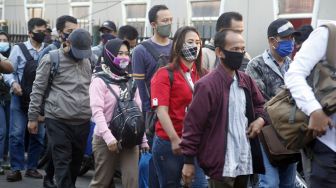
(28, 77)
(127, 123)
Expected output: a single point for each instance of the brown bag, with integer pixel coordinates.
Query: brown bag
(274, 148)
(291, 123)
(323, 76)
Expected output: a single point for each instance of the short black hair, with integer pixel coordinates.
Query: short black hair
(152, 14)
(4, 33)
(127, 31)
(60, 22)
(36, 22)
(224, 20)
(220, 38)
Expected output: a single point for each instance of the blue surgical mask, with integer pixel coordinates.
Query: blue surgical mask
(285, 47)
(4, 46)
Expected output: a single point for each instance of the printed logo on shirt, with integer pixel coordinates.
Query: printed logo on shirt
(155, 102)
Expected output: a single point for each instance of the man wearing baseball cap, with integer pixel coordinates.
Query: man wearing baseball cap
(268, 71)
(67, 105)
(108, 31)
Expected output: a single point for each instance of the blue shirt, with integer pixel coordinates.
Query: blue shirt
(55, 45)
(144, 66)
(18, 61)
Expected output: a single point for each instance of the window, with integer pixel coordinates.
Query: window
(34, 8)
(299, 12)
(80, 9)
(204, 15)
(136, 16)
(293, 7)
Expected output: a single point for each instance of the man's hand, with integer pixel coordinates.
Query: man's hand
(33, 127)
(17, 89)
(255, 127)
(176, 146)
(113, 146)
(319, 122)
(188, 173)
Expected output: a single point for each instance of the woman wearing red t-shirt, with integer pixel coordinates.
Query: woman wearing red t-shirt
(171, 99)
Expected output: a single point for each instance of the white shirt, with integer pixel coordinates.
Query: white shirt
(238, 157)
(312, 51)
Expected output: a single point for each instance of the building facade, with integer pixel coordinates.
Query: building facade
(200, 13)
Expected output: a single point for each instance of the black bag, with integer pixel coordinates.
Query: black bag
(151, 116)
(127, 123)
(28, 77)
(162, 60)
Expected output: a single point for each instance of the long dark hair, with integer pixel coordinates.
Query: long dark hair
(178, 41)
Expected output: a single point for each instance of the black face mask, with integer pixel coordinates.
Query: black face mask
(233, 60)
(38, 37)
(72, 56)
(65, 36)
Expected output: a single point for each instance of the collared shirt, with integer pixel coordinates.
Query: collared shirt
(18, 61)
(282, 68)
(177, 97)
(238, 157)
(312, 51)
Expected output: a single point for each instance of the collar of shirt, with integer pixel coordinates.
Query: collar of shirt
(186, 69)
(30, 46)
(283, 68)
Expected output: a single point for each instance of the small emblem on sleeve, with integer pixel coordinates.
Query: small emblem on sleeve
(155, 102)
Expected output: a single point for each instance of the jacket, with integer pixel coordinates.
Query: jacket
(68, 100)
(267, 74)
(206, 123)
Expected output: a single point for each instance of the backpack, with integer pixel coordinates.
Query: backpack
(151, 116)
(161, 59)
(127, 124)
(28, 77)
(288, 120)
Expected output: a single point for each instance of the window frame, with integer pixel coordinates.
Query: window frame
(292, 15)
(2, 6)
(142, 20)
(33, 5)
(88, 19)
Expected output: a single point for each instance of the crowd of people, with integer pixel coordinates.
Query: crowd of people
(195, 109)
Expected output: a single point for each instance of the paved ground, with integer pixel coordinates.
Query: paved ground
(82, 182)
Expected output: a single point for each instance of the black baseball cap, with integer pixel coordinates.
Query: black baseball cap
(108, 25)
(80, 41)
(281, 27)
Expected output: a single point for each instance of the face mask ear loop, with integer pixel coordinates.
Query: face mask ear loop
(109, 54)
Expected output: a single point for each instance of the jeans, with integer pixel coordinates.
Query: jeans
(283, 177)
(169, 166)
(4, 121)
(18, 124)
(323, 167)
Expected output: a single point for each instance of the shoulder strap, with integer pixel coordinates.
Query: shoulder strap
(54, 61)
(171, 76)
(149, 47)
(25, 52)
(331, 48)
(108, 86)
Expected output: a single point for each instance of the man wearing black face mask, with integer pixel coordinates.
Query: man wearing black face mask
(24, 57)
(224, 141)
(65, 25)
(67, 109)
(108, 31)
(268, 71)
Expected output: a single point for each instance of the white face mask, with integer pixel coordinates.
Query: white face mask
(4, 46)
